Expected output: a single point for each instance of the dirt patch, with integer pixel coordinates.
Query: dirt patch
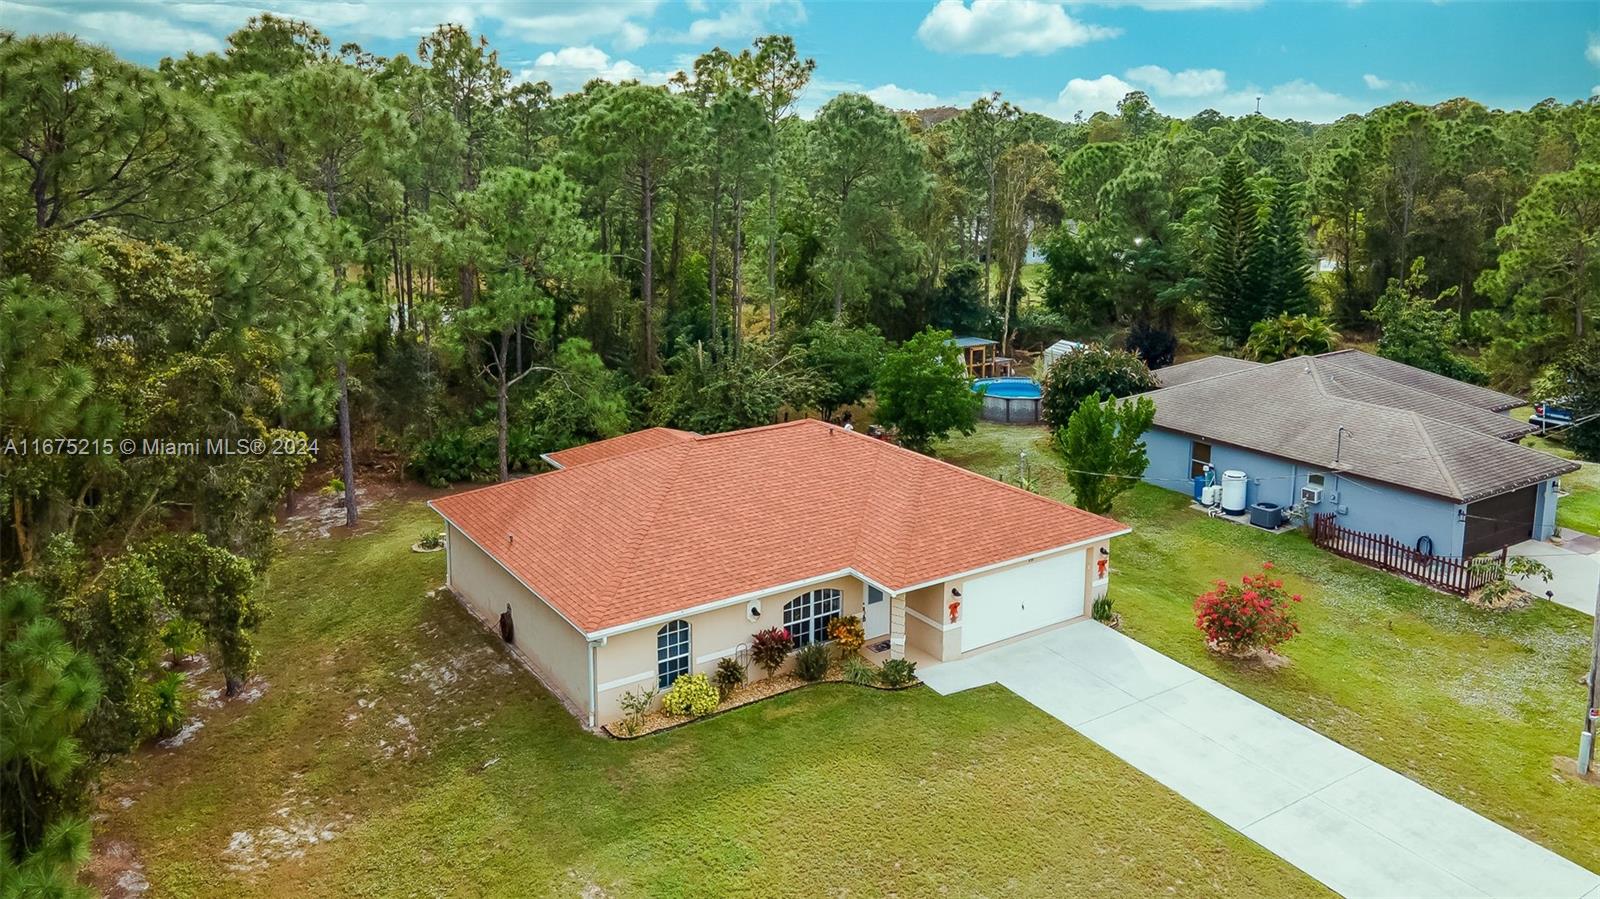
(115, 871)
(296, 826)
(1264, 659)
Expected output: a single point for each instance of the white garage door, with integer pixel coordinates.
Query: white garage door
(1021, 599)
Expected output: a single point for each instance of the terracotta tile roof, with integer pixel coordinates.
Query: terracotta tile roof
(616, 446)
(1393, 432)
(634, 536)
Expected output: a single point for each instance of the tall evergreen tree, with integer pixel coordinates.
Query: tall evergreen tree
(1286, 274)
(1233, 286)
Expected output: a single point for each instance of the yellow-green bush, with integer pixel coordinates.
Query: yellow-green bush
(691, 695)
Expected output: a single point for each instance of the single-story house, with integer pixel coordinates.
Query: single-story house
(659, 553)
(1387, 448)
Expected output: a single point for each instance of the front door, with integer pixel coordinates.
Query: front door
(876, 620)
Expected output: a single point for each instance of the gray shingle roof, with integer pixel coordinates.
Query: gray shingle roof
(1195, 369)
(1419, 379)
(1295, 409)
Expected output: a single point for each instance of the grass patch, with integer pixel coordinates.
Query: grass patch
(395, 752)
(1476, 705)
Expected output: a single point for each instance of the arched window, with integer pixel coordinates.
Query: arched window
(807, 616)
(672, 652)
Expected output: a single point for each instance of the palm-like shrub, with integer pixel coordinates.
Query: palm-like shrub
(1288, 336)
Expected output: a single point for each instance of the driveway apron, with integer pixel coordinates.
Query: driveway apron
(1358, 827)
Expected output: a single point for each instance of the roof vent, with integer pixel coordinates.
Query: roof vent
(510, 538)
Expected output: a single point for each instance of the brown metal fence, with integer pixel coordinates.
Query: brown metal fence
(1447, 573)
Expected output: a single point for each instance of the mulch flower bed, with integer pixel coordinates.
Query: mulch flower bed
(754, 691)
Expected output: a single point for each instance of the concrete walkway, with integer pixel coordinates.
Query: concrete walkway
(1360, 828)
(1576, 574)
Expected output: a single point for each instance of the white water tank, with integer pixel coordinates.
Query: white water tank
(1233, 490)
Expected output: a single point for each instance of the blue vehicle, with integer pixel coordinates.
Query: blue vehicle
(1551, 414)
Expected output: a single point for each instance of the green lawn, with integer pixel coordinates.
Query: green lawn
(1476, 705)
(395, 752)
(1581, 509)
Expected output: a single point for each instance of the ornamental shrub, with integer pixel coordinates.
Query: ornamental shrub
(897, 672)
(729, 675)
(811, 662)
(1088, 371)
(848, 634)
(1254, 614)
(692, 695)
(1101, 610)
(859, 671)
(635, 705)
(770, 647)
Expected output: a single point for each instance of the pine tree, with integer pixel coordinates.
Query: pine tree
(46, 692)
(1287, 272)
(1233, 288)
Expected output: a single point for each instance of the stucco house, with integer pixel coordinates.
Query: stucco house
(1387, 448)
(658, 553)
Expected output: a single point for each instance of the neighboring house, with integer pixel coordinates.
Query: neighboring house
(659, 553)
(1388, 448)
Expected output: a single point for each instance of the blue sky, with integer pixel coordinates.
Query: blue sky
(1305, 60)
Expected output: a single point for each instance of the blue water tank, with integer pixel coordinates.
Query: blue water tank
(1199, 486)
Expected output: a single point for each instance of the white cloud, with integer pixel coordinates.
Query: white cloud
(1006, 29)
(1594, 91)
(1175, 5)
(1187, 83)
(743, 19)
(1374, 82)
(123, 30)
(897, 97)
(149, 26)
(570, 68)
(1592, 53)
(573, 21)
(1091, 95)
(1298, 99)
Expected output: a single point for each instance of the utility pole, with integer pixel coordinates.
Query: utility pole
(1586, 739)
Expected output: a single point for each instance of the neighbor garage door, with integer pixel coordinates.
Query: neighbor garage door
(1021, 599)
(1500, 521)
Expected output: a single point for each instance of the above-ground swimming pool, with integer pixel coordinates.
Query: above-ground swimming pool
(1014, 400)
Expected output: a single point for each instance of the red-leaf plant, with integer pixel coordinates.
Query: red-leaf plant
(1254, 614)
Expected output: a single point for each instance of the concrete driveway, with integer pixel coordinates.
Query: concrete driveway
(1576, 579)
(1360, 828)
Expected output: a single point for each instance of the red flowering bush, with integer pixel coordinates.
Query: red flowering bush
(770, 647)
(1254, 614)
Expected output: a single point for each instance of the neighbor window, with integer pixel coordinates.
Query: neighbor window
(1199, 458)
(807, 616)
(672, 652)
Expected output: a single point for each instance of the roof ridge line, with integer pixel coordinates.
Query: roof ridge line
(1433, 450)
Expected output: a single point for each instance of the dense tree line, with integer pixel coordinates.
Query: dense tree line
(355, 261)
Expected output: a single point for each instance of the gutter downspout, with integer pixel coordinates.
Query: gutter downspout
(594, 693)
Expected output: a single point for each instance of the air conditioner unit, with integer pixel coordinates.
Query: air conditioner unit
(1311, 494)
